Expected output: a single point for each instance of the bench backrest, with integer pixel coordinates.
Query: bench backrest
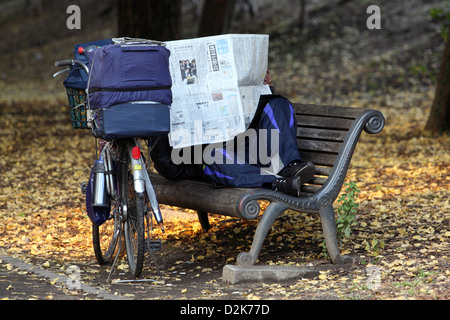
(321, 130)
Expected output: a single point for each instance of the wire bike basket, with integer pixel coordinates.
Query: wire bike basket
(78, 109)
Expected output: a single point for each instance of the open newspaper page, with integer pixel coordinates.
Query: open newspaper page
(216, 85)
(251, 55)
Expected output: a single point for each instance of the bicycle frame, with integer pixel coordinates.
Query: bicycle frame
(143, 183)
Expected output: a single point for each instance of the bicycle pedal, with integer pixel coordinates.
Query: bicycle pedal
(84, 186)
(153, 244)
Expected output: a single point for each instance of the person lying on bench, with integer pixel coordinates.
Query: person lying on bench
(261, 162)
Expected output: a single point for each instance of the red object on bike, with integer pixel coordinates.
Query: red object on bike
(80, 50)
(136, 153)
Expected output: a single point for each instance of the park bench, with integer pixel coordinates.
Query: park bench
(327, 136)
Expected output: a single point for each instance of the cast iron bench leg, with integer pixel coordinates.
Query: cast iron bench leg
(272, 212)
(204, 220)
(329, 232)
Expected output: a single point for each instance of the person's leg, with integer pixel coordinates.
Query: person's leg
(231, 170)
(255, 157)
(161, 156)
(277, 134)
(278, 114)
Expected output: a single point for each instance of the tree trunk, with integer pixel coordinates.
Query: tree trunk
(439, 119)
(149, 19)
(216, 17)
(302, 16)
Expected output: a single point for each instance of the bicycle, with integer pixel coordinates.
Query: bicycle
(119, 194)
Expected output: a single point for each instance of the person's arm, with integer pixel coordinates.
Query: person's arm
(268, 80)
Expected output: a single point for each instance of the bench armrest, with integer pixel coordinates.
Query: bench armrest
(369, 120)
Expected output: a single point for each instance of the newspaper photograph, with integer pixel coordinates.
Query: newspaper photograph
(216, 85)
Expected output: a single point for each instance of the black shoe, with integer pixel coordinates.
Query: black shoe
(290, 185)
(304, 170)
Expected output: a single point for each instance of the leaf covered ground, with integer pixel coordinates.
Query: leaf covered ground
(400, 246)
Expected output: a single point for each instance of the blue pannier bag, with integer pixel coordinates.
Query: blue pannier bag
(97, 215)
(77, 77)
(132, 119)
(129, 88)
(129, 72)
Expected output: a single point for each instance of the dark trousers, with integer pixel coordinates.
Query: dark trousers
(252, 159)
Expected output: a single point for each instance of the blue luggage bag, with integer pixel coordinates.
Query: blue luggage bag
(132, 119)
(129, 87)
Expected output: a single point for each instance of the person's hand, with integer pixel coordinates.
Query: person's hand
(268, 78)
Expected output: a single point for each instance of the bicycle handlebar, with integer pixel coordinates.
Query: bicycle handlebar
(71, 62)
(61, 63)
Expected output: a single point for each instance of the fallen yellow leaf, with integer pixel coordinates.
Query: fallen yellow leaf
(323, 277)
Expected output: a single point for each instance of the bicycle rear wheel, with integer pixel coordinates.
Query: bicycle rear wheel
(134, 226)
(135, 237)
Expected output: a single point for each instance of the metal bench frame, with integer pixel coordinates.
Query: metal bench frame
(327, 136)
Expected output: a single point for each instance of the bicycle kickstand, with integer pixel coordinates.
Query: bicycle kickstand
(115, 259)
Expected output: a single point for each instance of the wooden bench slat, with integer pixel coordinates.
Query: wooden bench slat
(320, 134)
(197, 195)
(323, 171)
(329, 111)
(323, 122)
(324, 159)
(318, 181)
(308, 188)
(314, 145)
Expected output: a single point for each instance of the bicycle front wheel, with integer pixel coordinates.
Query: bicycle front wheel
(134, 226)
(105, 238)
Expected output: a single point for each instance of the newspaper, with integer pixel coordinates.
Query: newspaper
(216, 85)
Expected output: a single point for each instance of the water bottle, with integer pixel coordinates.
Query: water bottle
(100, 198)
(86, 50)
